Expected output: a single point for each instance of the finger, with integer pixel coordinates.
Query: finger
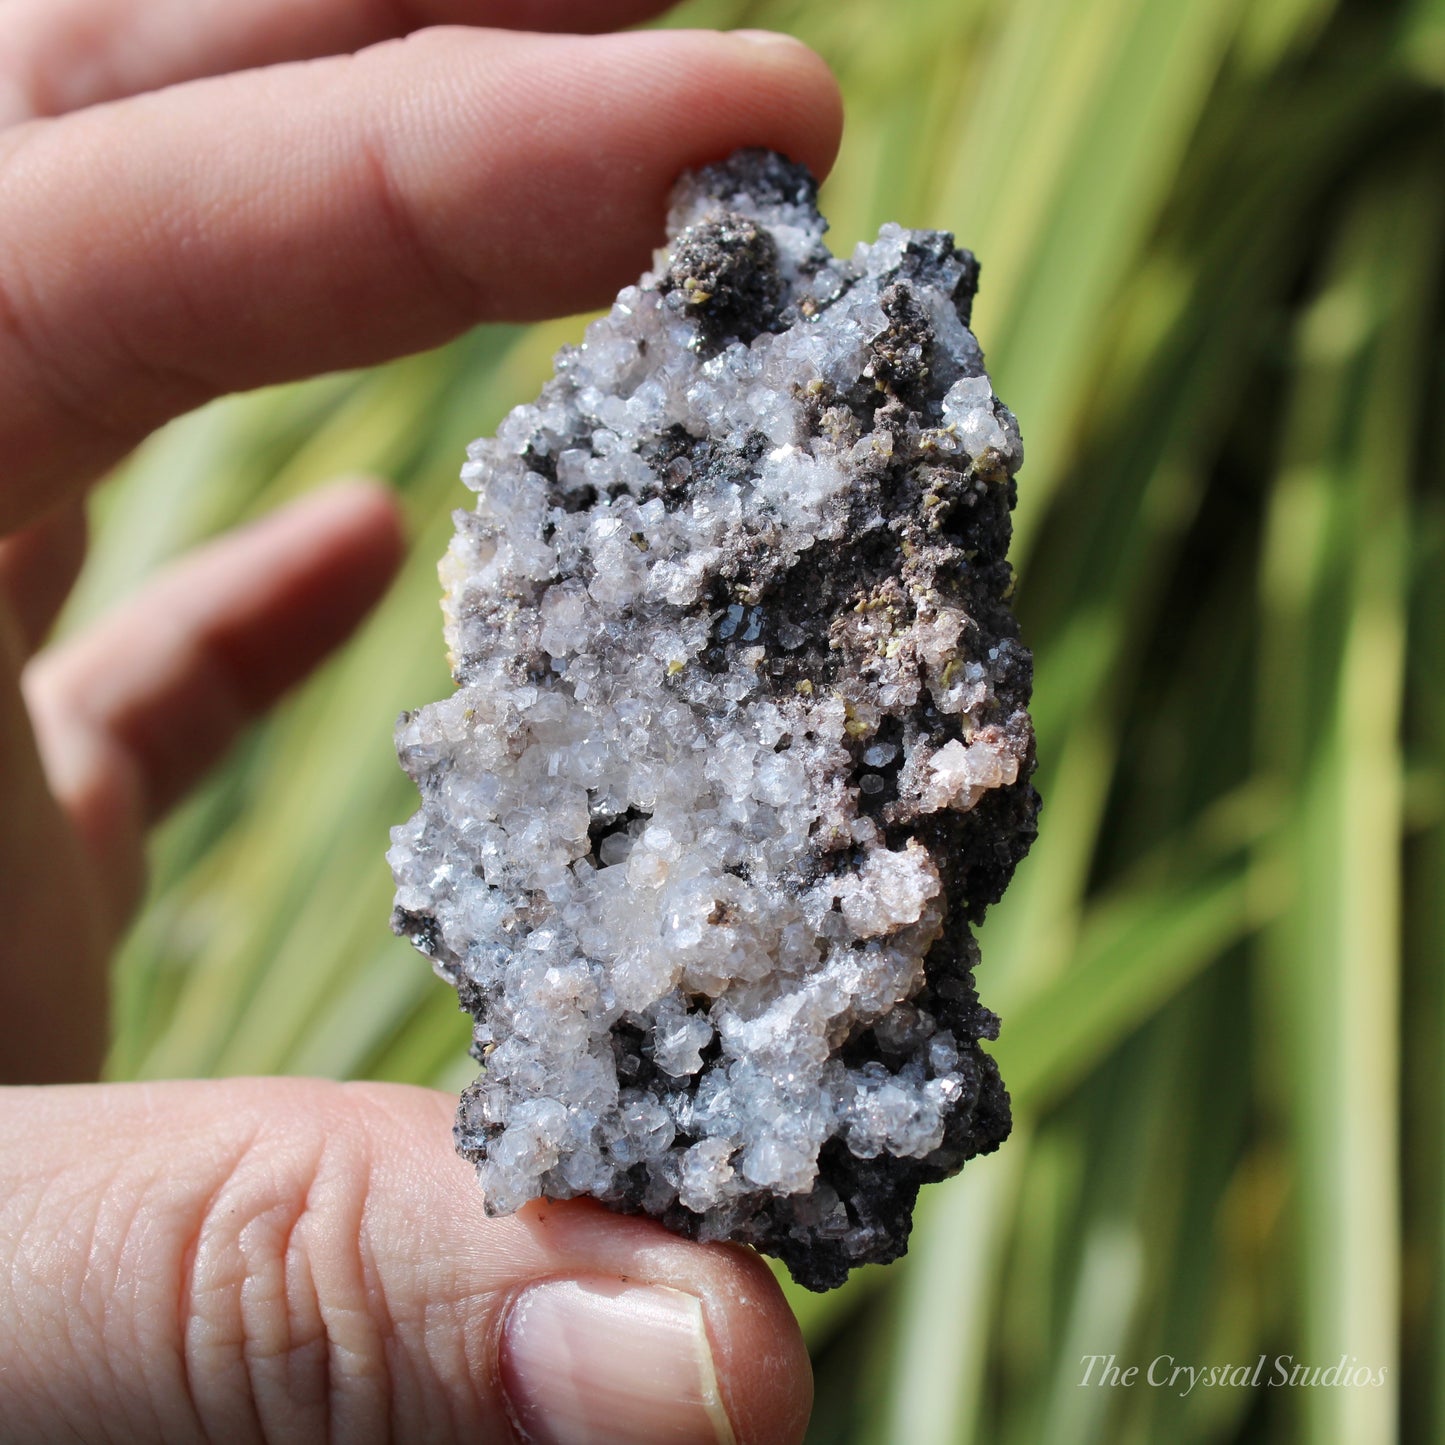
(57, 927)
(38, 567)
(306, 218)
(60, 55)
(299, 1261)
(132, 712)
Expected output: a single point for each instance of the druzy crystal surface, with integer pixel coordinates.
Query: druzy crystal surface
(739, 748)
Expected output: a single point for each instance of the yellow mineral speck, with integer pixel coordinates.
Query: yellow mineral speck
(805, 687)
(675, 665)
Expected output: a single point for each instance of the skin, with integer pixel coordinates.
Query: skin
(196, 197)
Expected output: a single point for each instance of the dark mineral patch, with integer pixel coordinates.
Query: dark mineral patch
(724, 272)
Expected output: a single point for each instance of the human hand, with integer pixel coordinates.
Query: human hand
(291, 1259)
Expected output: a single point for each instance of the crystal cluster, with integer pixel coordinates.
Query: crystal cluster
(739, 746)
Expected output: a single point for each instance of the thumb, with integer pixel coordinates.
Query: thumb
(291, 1260)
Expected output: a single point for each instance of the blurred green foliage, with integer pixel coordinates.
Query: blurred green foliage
(1211, 235)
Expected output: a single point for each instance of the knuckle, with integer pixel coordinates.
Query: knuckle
(282, 1325)
(401, 221)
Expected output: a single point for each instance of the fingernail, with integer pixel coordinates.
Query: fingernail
(603, 1362)
(772, 39)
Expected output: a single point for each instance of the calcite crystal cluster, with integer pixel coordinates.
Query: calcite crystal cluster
(739, 746)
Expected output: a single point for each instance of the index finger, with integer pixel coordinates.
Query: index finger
(61, 55)
(231, 233)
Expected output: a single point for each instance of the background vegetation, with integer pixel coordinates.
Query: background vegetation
(1211, 238)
